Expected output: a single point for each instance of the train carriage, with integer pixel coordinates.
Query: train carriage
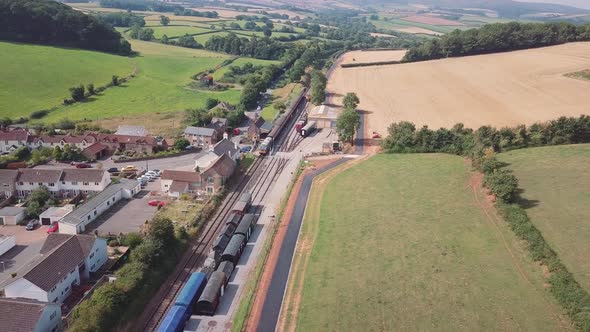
(174, 320)
(243, 203)
(227, 268)
(265, 146)
(223, 238)
(234, 218)
(191, 290)
(308, 129)
(234, 249)
(246, 226)
(209, 300)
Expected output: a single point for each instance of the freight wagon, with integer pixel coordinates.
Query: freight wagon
(308, 129)
(209, 300)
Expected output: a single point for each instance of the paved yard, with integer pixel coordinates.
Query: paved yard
(28, 244)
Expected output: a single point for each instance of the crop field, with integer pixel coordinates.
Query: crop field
(29, 84)
(556, 184)
(177, 30)
(398, 24)
(160, 85)
(503, 89)
(419, 250)
(372, 56)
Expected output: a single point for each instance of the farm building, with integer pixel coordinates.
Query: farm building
(12, 215)
(209, 300)
(324, 116)
(77, 220)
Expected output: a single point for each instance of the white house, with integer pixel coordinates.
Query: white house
(65, 259)
(25, 315)
(12, 215)
(67, 182)
(76, 221)
(51, 141)
(13, 139)
(225, 146)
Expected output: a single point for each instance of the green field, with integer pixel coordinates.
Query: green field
(556, 184)
(38, 77)
(396, 23)
(177, 30)
(240, 62)
(413, 250)
(160, 85)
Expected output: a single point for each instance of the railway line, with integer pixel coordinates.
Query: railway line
(258, 180)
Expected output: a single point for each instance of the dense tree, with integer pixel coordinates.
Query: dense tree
(188, 41)
(249, 25)
(260, 48)
(498, 37)
(181, 144)
(53, 23)
(351, 101)
(318, 87)
(140, 33)
(347, 124)
(37, 201)
(121, 19)
(90, 89)
(77, 92)
(164, 20)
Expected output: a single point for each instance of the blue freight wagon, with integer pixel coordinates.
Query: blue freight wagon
(192, 290)
(174, 319)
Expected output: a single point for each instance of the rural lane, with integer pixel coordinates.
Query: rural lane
(274, 296)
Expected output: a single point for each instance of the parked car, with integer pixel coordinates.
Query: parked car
(113, 170)
(32, 224)
(245, 149)
(236, 131)
(376, 135)
(157, 171)
(129, 168)
(53, 228)
(83, 165)
(156, 202)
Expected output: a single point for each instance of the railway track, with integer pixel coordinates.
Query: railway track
(159, 305)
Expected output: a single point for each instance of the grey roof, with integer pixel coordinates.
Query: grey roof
(131, 130)
(246, 223)
(216, 280)
(234, 246)
(39, 175)
(11, 211)
(56, 211)
(75, 217)
(266, 126)
(21, 315)
(54, 240)
(82, 175)
(225, 146)
(8, 175)
(199, 131)
(55, 264)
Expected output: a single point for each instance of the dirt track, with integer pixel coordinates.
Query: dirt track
(499, 89)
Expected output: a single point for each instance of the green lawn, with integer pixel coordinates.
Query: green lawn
(177, 30)
(160, 86)
(403, 246)
(396, 23)
(556, 184)
(38, 77)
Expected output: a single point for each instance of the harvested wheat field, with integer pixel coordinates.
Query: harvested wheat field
(503, 89)
(372, 56)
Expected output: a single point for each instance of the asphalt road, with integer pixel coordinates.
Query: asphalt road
(278, 284)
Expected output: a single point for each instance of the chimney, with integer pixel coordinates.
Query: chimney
(225, 135)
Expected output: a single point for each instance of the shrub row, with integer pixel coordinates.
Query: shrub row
(368, 64)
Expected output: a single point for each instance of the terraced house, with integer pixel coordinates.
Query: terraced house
(13, 139)
(60, 182)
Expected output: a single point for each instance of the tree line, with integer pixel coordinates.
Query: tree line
(143, 5)
(52, 23)
(259, 48)
(189, 12)
(498, 37)
(121, 19)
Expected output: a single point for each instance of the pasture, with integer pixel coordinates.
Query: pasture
(504, 89)
(38, 77)
(418, 248)
(163, 73)
(556, 190)
(177, 30)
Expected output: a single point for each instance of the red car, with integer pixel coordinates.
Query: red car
(156, 202)
(376, 135)
(236, 131)
(83, 166)
(53, 228)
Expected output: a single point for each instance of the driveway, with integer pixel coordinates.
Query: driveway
(28, 244)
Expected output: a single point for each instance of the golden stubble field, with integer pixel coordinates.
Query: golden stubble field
(371, 56)
(504, 89)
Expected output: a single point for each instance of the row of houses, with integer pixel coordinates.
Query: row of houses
(93, 146)
(60, 182)
(33, 298)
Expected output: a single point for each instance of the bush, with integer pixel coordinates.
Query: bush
(132, 240)
(39, 114)
(502, 183)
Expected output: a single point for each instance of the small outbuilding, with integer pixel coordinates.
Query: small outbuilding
(324, 116)
(209, 299)
(55, 214)
(12, 215)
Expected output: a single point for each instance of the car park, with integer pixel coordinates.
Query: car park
(53, 228)
(32, 224)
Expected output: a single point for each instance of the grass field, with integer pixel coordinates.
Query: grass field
(556, 184)
(414, 250)
(160, 85)
(177, 30)
(38, 77)
(503, 89)
(240, 62)
(285, 94)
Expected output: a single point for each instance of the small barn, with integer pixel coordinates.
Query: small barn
(209, 299)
